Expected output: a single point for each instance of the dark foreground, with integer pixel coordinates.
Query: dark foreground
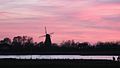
(61, 53)
(58, 63)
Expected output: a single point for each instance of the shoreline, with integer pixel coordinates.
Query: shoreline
(57, 62)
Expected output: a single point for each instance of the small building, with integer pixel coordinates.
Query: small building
(118, 58)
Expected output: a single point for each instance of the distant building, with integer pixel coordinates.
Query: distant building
(118, 58)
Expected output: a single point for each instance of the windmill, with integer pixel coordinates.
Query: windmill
(47, 38)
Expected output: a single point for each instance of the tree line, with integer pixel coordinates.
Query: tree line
(26, 44)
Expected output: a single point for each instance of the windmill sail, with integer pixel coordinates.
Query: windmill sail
(45, 30)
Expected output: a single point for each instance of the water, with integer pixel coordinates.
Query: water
(56, 57)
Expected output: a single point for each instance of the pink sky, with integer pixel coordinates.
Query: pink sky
(79, 20)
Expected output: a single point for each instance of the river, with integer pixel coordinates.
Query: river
(57, 57)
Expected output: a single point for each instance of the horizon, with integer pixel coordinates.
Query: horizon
(91, 43)
(79, 20)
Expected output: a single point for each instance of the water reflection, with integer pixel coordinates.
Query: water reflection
(56, 57)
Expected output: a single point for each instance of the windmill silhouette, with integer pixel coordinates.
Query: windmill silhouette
(47, 38)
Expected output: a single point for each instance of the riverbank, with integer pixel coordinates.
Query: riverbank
(58, 63)
(60, 53)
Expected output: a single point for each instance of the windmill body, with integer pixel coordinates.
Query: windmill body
(48, 40)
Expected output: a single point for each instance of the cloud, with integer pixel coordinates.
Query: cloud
(113, 18)
(108, 1)
(84, 20)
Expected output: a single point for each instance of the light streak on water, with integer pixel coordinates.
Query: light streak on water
(56, 57)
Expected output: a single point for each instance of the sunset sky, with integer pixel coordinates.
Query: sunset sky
(79, 20)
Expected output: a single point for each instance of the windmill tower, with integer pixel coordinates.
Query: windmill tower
(47, 38)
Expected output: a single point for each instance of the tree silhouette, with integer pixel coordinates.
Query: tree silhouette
(17, 43)
(5, 44)
(25, 44)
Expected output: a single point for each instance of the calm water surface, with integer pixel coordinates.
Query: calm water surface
(56, 57)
